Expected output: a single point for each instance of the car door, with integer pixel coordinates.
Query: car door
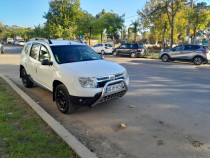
(96, 48)
(187, 53)
(131, 48)
(122, 49)
(45, 72)
(32, 61)
(175, 52)
(100, 48)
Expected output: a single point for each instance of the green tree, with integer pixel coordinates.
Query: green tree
(199, 17)
(135, 29)
(62, 17)
(171, 7)
(113, 24)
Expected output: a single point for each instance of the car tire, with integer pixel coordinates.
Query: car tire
(102, 52)
(133, 55)
(63, 101)
(165, 58)
(25, 79)
(198, 60)
(115, 53)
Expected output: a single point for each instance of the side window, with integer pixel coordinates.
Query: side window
(35, 51)
(123, 46)
(196, 47)
(96, 45)
(178, 48)
(27, 47)
(130, 46)
(188, 47)
(44, 54)
(100, 45)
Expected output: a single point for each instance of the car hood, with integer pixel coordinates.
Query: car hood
(94, 68)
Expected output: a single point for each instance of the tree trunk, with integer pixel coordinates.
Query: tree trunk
(135, 37)
(194, 36)
(101, 37)
(113, 40)
(172, 32)
(164, 32)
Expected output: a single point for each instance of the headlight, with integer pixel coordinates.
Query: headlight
(125, 75)
(88, 82)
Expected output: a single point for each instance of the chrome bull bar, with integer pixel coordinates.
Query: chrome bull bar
(108, 96)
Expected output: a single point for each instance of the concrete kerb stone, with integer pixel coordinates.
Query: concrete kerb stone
(77, 146)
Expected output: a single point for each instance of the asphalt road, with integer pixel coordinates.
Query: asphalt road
(166, 109)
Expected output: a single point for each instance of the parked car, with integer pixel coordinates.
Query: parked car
(198, 54)
(130, 49)
(1, 48)
(103, 48)
(21, 43)
(9, 40)
(73, 72)
(14, 42)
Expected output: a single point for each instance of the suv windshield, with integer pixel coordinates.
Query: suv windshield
(68, 53)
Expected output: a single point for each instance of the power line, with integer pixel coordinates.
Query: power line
(131, 16)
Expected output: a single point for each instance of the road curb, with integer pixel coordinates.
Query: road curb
(77, 146)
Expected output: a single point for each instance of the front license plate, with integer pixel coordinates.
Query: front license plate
(115, 87)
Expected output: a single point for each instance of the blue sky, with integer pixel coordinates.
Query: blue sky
(27, 13)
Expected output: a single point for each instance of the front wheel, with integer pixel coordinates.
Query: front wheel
(165, 58)
(198, 60)
(25, 79)
(133, 55)
(115, 53)
(63, 101)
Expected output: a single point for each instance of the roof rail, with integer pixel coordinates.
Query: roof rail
(41, 39)
(71, 39)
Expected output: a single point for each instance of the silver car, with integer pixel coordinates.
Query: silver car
(198, 54)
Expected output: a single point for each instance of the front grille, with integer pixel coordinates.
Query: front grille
(103, 80)
(112, 96)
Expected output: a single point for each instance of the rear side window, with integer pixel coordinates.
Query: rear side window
(206, 47)
(140, 46)
(35, 51)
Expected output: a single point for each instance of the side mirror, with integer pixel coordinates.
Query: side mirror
(46, 62)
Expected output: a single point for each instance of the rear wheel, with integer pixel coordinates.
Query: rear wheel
(133, 55)
(102, 52)
(25, 79)
(198, 60)
(63, 101)
(165, 58)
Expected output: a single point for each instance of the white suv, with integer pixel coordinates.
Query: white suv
(103, 48)
(73, 72)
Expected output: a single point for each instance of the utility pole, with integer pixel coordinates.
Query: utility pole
(189, 22)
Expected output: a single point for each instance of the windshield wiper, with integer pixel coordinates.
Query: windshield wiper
(89, 59)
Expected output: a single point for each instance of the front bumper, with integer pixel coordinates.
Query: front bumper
(108, 96)
(101, 97)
